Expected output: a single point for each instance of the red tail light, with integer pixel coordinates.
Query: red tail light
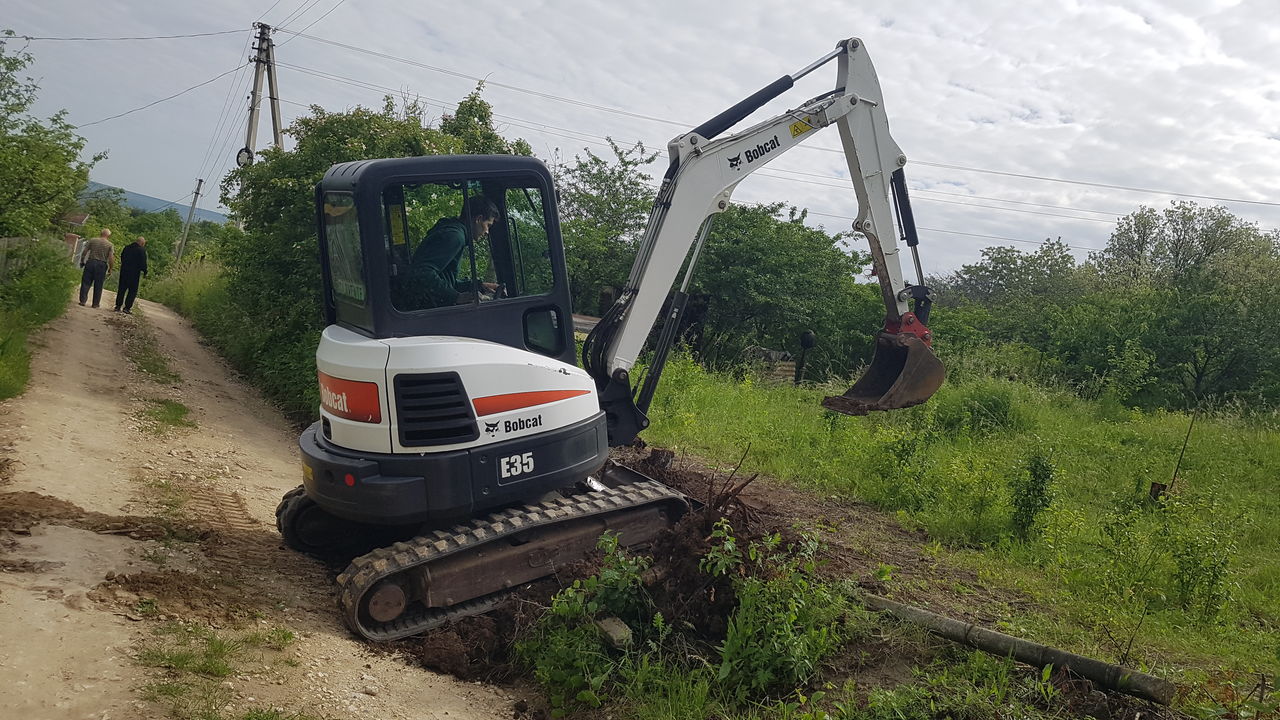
(350, 399)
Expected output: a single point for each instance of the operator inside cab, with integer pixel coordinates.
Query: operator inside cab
(434, 278)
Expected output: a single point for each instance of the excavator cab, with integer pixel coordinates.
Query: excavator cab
(403, 256)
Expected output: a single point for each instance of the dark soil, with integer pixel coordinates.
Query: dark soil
(19, 511)
(187, 595)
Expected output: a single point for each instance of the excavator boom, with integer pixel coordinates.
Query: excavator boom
(704, 171)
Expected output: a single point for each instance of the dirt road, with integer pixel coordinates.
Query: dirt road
(119, 523)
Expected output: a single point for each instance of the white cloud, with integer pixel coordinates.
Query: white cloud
(1156, 94)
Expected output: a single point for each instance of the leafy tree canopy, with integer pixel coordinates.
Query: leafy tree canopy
(40, 167)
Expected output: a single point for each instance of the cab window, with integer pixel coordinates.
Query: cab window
(465, 242)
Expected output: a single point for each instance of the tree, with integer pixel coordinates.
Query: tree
(40, 167)
(769, 277)
(1209, 277)
(1006, 275)
(604, 205)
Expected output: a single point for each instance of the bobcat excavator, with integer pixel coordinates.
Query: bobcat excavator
(461, 451)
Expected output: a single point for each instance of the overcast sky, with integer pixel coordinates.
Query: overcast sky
(1180, 97)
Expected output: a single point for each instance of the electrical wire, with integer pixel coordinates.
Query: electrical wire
(163, 99)
(313, 22)
(264, 12)
(146, 37)
(223, 115)
(628, 113)
(298, 12)
(586, 137)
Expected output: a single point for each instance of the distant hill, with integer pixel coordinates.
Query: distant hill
(146, 203)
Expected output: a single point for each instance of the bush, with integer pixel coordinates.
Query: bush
(34, 293)
(979, 407)
(787, 619)
(1031, 492)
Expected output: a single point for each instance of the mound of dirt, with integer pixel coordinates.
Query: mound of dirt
(20, 510)
(182, 594)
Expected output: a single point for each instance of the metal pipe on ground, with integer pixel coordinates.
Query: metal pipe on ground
(1109, 676)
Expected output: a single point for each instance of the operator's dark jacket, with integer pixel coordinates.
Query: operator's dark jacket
(435, 263)
(133, 263)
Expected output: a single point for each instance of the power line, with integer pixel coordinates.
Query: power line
(146, 37)
(515, 88)
(628, 113)
(587, 137)
(1098, 184)
(226, 107)
(313, 22)
(264, 12)
(303, 8)
(157, 102)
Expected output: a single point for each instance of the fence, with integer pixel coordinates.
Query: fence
(10, 257)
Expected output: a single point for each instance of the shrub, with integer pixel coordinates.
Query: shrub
(34, 293)
(787, 619)
(1031, 492)
(979, 407)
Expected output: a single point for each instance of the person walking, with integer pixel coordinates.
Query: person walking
(98, 258)
(133, 265)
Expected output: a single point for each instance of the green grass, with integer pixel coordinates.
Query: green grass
(191, 661)
(1193, 582)
(161, 417)
(33, 291)
(143, 350)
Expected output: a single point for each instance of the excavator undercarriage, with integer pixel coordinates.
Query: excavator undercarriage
(431, 576)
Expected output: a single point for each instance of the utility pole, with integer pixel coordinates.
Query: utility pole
(186, 227)
(264, 63)
(274, 94)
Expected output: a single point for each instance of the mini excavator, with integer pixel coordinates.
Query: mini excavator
(461, 451)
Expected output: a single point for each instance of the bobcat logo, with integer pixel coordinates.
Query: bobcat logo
(491, 427)
(735, 161)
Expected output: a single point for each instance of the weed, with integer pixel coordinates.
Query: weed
(787, 620)
(163, 416)
(193, 660)
(276, 638)
(146, 607)
(1031, 492)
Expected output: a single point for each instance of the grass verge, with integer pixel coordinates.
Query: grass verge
(34, 289)
(1045, 493)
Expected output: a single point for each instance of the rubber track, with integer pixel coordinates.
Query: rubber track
(367, 570)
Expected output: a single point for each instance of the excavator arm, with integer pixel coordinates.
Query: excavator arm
(704, 171)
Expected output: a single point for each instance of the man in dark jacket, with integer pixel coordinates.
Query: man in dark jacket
(435, 264)
(133, 265)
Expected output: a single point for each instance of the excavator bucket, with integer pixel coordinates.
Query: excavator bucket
(904, 372)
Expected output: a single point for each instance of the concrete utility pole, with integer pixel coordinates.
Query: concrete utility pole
(191, 212)
(264, 63)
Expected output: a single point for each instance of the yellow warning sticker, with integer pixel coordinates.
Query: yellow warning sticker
(801, 127)
(306, 473)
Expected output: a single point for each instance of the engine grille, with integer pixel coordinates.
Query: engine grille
(433, 409)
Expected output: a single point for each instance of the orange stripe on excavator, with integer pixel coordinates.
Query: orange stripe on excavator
(515, 401)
